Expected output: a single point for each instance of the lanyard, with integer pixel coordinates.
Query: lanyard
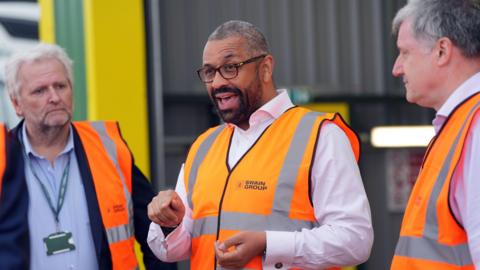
(61, 193)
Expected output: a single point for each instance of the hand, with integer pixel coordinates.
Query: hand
(246, 246)
(166, 209)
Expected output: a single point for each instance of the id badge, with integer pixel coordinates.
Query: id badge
(58, 243)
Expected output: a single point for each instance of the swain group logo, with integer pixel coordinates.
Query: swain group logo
(253, 185)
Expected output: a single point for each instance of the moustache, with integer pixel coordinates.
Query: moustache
(222, 90)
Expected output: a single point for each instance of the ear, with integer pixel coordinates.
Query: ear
(16, 105)
(266, 68)
(444, 50)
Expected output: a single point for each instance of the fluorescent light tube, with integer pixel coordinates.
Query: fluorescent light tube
(401, 136)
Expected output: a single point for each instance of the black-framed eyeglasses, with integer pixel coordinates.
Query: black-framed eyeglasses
(227, 71)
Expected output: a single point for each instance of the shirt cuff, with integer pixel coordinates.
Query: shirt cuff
(280, 249)
(155, 240)
(175, 233)
(159, 243)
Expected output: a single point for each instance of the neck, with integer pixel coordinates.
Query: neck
(48, 142)
(270, 93)
(244, 126)
(455, 76)
(267, 96)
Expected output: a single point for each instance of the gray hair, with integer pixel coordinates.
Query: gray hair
(458, 20)
(256, 41)
(38, 53)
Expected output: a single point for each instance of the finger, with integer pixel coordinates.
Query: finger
(232, 241)
(178, 208)
(231, 259)
(224, 252)
(153, 211)
(155, 216)
(177, 204)
(159, 210)
(221, 246)
(224, 258)
(150, 214)
(218, 251)
(169, 216)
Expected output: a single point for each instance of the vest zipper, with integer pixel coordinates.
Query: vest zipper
(220, 213)
(230, 170)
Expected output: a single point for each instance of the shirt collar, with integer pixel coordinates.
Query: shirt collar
(28, 147)
(273, 109)
(465, 90)
(277, 105)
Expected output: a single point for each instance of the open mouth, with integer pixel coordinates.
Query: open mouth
(226, 101)
(222, 97)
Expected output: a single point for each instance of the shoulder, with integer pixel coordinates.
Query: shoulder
(209, 132)
(332, 134)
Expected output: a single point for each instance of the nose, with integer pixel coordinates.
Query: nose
(54, 96)
(397, 70)
(218, 81)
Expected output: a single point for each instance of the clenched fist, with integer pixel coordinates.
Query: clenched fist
(166, 209)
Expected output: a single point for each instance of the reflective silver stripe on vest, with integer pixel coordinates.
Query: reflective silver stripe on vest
(286, 181)
(119, 233)
(278, 220)
(126, 231)
(431, 230)
(221, 268)
(253, 222)
(201, 153)
(428, 247)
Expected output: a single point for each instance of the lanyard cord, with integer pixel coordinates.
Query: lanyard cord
(63, 185)
(61, 193)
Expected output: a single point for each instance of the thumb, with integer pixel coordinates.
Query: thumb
(176, 204)
(231, 242)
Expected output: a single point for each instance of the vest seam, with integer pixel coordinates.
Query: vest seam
(477, 111)
(4, 154)
(446, 122)
(230, 171)
(310, 169)
(255, 143)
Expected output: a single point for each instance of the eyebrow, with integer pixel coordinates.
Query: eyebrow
(228, 56)
(225, 58)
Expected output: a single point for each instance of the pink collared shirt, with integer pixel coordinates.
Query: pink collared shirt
(465, 185)
(339, 200)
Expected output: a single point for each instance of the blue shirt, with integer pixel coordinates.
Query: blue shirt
(73, 216)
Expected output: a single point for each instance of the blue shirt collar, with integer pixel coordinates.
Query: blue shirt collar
(28, 147)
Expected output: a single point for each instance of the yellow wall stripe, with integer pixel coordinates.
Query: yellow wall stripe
(116, 72)
(47, 21)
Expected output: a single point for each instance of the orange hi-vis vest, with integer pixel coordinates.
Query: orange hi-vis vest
(110, 162)
(268, 188)
(430, 237)
(3, 153)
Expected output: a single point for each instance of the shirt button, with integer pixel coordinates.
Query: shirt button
(279, 265)
(72, 266)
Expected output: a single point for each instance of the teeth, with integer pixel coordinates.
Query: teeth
(223, 99)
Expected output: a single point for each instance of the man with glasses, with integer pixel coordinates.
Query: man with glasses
(276, 186)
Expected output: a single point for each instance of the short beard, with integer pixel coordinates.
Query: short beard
(237, 116)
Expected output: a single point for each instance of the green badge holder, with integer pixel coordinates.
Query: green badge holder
(59, 242)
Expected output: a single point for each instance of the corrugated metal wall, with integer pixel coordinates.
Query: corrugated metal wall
(334, 47)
